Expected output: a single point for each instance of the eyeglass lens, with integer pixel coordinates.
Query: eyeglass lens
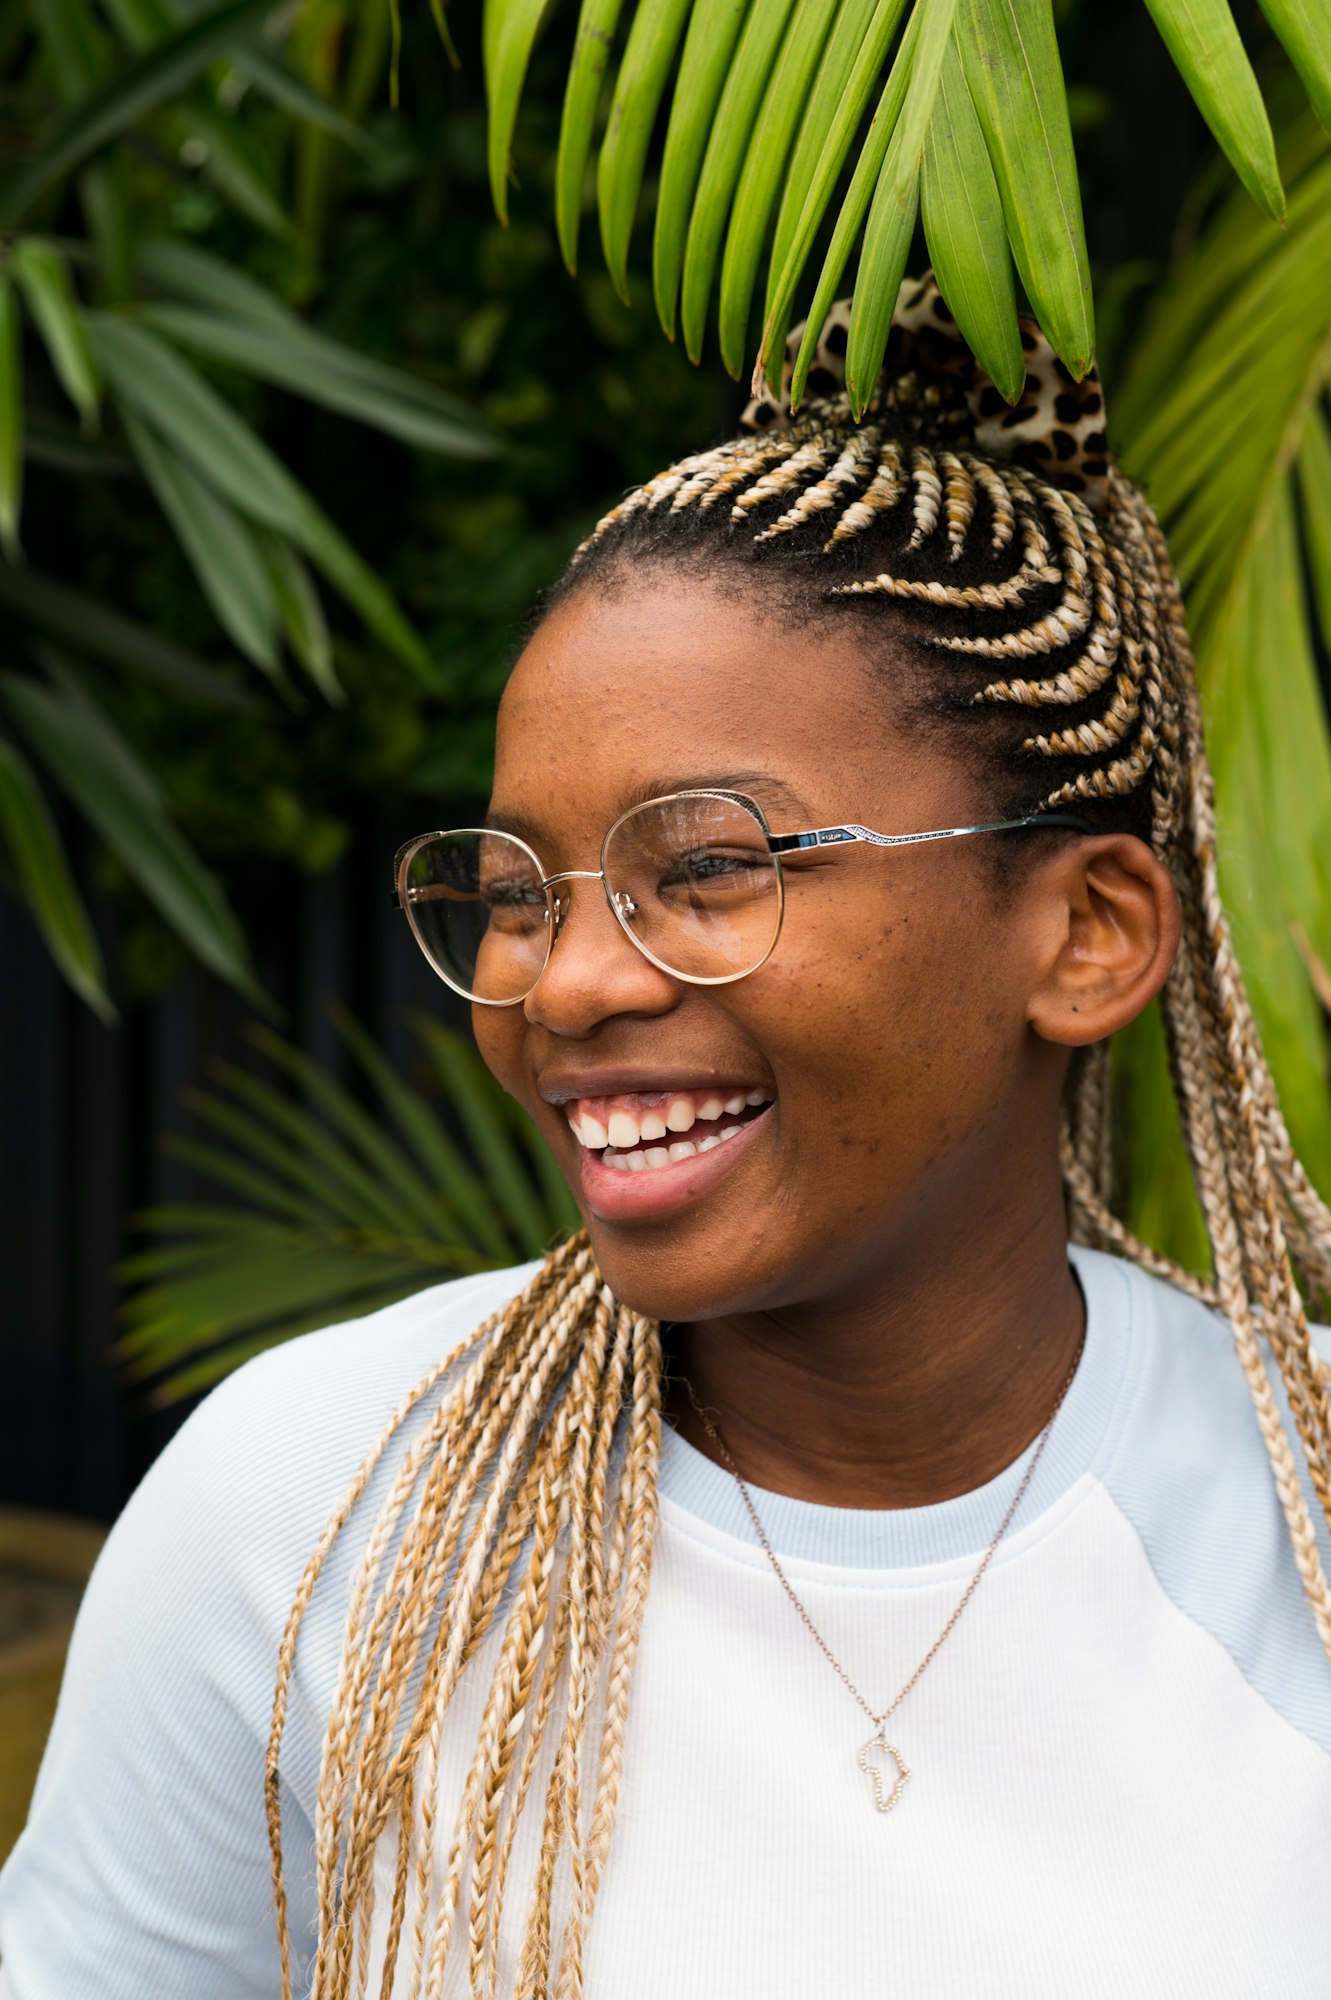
(691, 879)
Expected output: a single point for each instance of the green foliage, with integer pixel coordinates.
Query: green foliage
(766, 109)
(334, 1212)
(1223, 417)
(225, 248)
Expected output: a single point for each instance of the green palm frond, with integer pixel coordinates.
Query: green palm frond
(337, 1210)
(1242, 483)
(765, 137)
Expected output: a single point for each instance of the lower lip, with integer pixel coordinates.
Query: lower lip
(617, 1196)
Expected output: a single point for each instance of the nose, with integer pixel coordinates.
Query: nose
(594, 970)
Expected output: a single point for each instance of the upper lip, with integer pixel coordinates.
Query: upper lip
(563, 1086)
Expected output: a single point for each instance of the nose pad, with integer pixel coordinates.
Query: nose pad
(624, 903)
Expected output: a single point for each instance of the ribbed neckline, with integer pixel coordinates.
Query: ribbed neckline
(902, 1538)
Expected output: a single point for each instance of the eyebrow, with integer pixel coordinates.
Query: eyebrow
(763, 786)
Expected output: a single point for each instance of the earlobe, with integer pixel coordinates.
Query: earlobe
(1111, 932)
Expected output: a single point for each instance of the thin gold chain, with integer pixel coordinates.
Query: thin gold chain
(878, 1719)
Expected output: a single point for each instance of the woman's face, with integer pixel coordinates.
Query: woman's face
(882, 1054)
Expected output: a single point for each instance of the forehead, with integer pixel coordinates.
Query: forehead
(667, 680)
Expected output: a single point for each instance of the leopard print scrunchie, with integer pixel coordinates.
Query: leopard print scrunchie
(1056, 427)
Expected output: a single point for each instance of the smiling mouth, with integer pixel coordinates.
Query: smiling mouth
(643, 1131)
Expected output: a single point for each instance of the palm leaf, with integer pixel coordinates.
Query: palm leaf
(708, 47)
(1204, 42)
(764, 164)
(962, 213)
(765, 134)
(1242, 482)
(340, 1210)
(653, 38)
(721, 165)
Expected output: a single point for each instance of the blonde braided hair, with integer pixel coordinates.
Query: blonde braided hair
(532, 1484)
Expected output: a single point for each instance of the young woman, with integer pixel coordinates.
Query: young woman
(815, 1578)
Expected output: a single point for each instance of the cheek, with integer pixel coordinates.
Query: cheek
(905, 1033)
(500, 1035)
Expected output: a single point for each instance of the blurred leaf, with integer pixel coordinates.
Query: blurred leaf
(49, 441)
(43, 277)
(479, 1103)
(28, 834)
(142, 86)
(302, 613)
(1302, 28)
(93, 627)
(95, 767)
(323, 372)
(195, 274)
(236, 169)
(220, 547)
(285, 87)
(172, 398)
(344, 1210)
(1204, 42)
(11, 418)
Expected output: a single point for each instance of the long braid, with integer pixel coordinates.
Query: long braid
(521, 1514)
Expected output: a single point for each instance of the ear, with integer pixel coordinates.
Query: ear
(1109, 934)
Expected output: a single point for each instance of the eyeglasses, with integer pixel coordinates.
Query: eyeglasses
(694, 881)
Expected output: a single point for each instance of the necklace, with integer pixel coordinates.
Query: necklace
(879, 1753)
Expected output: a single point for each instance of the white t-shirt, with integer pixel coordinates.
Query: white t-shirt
(1120, 1761)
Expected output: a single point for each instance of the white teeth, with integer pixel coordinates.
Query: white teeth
(635, 1162)
(657, 1156)
(734, 1105)
(683, 1149)
(731, 1130)
(754, 1097)
(706, 1145)
(679, 1114)
(590, 1131)
(712, 1108)
(620, 1161)
(623, 1130)
(653, 1126)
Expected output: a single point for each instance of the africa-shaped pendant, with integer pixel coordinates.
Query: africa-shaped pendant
(874, 1756)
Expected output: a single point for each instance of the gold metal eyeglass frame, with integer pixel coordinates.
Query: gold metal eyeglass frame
(405, 895)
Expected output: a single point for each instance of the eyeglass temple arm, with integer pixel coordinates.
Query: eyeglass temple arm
(836, 836)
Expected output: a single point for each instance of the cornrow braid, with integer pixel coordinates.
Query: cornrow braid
(524, 1504)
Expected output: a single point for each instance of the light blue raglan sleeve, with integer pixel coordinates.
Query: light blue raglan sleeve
(144, 1867)
(143, 1873)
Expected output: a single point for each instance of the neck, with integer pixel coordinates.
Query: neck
(908, 1392)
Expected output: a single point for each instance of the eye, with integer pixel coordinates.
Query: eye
(702, 865)
(512, 892)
